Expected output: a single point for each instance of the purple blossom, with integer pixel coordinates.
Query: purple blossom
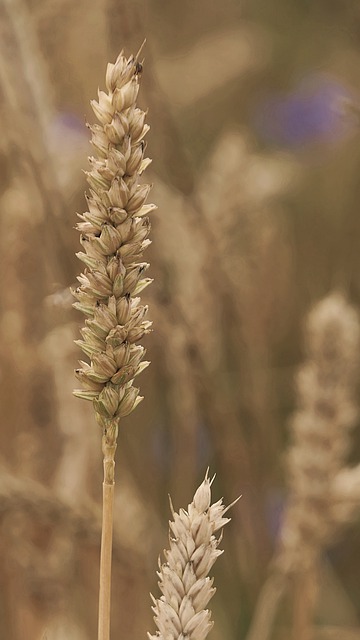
(313, 112)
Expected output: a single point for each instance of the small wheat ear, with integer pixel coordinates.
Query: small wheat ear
(183, 579)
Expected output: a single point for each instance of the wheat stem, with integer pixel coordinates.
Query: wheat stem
(105, 562)
(305, 596)
(317, 467)
(114, 235)
(108, 448)
(267, 606)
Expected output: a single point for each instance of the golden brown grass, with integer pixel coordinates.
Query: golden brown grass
(227, 318)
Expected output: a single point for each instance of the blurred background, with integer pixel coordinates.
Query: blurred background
(255, 139)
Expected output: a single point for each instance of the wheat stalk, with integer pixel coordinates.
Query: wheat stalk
(183, 579)
(114, 235)
(324, 493)
(320, 431)
(321, 440)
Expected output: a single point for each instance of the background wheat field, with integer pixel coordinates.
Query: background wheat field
(255, 139)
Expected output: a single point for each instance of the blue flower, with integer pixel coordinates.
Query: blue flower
(313, 112)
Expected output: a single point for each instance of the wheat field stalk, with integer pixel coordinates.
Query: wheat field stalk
(114, 234)
(316, 465)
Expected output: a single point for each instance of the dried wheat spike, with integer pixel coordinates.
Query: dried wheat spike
(320, 432)
(114, 234)
(183, 579)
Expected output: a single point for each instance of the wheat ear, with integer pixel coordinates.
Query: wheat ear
(320, 429)
(324, 493)
(183, 579)
(114, 235)
(320, 443)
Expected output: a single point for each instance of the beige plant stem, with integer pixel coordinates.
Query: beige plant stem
(108, 449)
(305, 594)
(267, 606)
(105, 562)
